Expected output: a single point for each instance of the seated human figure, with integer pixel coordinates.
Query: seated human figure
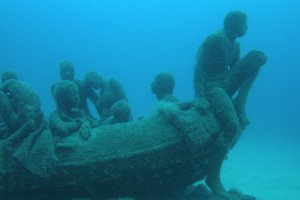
(163, 86)
(221, 77)
(85, 88)
(7, 75)
(68, 118)
(111, 92)
(19, 105)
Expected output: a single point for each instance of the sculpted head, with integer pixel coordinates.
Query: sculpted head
(67, 71)
(121, 111)
(163, 84)
(8, 75)
(66, 95)
(94, 80)
(235, 24)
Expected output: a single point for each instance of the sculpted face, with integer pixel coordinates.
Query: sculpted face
(66, 95)
(235, 24)
(240, 28)
(67, 71)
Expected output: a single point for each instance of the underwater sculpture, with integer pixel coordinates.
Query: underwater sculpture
(111, 92)
(68, 118)
(6, 75)
(141, 159)
(153, 158)
(225, 79)
(85, 88)
(149, 158)
(163, 86)
(28, 135)
(19, 104)
(121, 112)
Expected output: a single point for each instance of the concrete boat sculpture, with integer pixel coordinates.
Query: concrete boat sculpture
(145, 159)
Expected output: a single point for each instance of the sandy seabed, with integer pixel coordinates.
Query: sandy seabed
(267, 168)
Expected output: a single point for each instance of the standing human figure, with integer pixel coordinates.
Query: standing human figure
(219, 74)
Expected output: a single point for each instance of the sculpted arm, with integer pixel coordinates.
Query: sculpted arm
(93, 81)
(236, 54)
(92, 95)
(60, 127)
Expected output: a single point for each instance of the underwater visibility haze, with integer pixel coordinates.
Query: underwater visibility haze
(132, 41)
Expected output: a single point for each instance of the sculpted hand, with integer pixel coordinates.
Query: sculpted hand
(77, 112)
(85, 131)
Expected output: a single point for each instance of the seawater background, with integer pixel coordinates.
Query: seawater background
(132, 40)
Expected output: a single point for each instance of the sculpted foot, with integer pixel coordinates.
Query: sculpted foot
(217, 187)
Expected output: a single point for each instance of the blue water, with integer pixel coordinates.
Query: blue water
(132, 40)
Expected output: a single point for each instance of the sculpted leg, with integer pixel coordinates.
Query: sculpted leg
(222, 106)
(241, 81)
(213, 180)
